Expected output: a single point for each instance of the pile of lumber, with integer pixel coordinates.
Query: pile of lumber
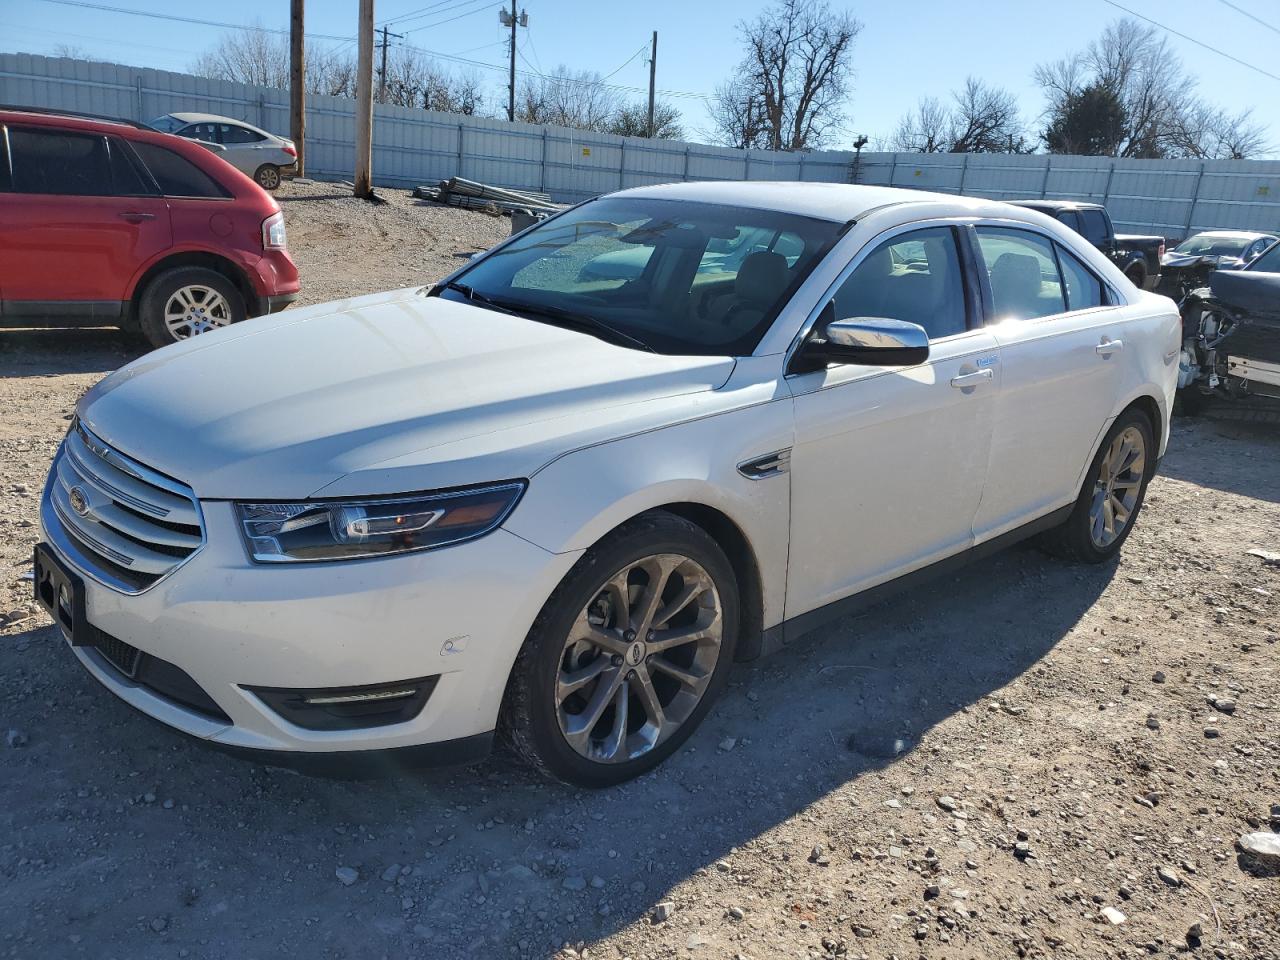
(457, 192)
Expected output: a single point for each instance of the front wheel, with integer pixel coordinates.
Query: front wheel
(626, 656)
(267, 176)
(1112, 495)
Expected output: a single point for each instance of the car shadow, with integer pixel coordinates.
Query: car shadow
(1231, 454)
(41, 353)
(491, 860)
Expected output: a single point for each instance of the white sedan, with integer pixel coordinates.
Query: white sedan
(253, 151)
(557, 502)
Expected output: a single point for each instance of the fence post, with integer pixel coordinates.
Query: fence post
(1195, 198)
(542, 167)
(461, 129)
(1048, 168)
(686, 162)
(262, 110)
(893, 168)
(746, 165)
(964, 169)
(1106, 190)
(137, 85)
(800, 175)
(622, 164)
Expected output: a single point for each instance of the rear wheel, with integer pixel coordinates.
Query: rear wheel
(627, 655)
(1137, 276)
(1112, 495)
(187, 301)
(267, 176)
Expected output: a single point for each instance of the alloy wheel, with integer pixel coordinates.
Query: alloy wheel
(639, 658)
(268, 178)
(1117, 486)
(195, 309)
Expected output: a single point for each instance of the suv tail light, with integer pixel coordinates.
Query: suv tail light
(1160, 253)
(290, 149)
(273, 232)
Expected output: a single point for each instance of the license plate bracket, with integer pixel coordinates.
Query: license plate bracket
(60, 591)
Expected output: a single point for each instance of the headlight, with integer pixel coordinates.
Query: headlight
(348, 529)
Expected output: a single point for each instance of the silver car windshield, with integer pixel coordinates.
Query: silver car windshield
(679, 277)
(166, 124)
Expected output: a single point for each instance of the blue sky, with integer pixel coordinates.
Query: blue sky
(906, 50)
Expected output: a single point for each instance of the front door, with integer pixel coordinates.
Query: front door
(889, 463)
(78, 223)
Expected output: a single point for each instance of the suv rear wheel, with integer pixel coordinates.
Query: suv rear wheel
(626, 656)
(187, 301)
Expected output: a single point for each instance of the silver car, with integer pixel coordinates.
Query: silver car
(263, 156)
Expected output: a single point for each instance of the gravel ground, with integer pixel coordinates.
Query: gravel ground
(1030, 759)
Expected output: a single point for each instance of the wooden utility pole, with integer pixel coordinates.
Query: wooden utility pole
(364, 104)
(382, 72)
(511, 85)
(297, 84)
(653, 73)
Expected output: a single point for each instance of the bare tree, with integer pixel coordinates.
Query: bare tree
(979, 119)
(1162, 114)
(788, 92)
(250, 55)
(568, 98)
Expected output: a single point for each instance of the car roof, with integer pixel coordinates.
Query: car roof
(76, 120)
(1233, 235)
(214, 118)
(839, 202)
(1056, 204)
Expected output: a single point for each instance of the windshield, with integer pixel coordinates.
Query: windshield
(165, 124)
(1269, 262)
(678, 277)
(1203, 246)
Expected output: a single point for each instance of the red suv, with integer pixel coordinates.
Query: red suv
(107, 222)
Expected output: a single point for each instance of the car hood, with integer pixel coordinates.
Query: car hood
(1185, 259)
(389, 393)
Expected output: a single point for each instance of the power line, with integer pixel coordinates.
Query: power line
(413, 14)
(627, 61)
(1256, 19)
(485, 5)
(196, 20)
(1198, 43)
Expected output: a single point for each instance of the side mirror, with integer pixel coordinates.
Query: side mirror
(869, 341)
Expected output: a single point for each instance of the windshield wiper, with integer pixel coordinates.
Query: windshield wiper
(561, 317)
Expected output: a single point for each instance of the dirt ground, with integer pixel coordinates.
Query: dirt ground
(986, 768)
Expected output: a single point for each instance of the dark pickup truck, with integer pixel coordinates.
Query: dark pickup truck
(1138, 257)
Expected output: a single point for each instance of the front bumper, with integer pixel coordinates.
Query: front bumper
(458, 613)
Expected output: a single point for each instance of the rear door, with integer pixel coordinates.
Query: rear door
(1062, 359)
(244, 147)
(78, 222)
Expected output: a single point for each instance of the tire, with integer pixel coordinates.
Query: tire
(1076, 538)
(565, 693)
(267, 176)
(207, 299)
(1192, 402)
(1137, 276)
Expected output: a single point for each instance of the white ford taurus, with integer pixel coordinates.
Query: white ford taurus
(558, 493)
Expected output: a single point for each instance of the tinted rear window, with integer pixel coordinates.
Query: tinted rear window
(176, 175)
(1094, 226)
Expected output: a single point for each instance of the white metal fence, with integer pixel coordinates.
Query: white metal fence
(1168, 197)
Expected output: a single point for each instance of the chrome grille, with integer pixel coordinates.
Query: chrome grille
(131, 524)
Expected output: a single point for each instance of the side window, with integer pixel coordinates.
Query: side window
(1023, 272)
(56, 162)
(207, 132)
(176, 175)
(229, 133)
(1071, 219)
(1084, 290)
(5, 184)
(913, 277)
(125, 176)
(1094, 226)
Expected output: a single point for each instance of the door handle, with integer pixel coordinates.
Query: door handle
(971, 379)
(1107, 347)
(136, 216)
